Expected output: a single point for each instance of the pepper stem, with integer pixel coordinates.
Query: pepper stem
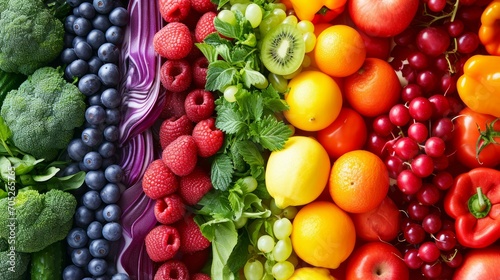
(479, 204)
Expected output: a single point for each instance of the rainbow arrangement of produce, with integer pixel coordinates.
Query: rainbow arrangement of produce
(249, 139)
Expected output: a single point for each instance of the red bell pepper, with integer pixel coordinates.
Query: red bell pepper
(474, 202)
(325, 15)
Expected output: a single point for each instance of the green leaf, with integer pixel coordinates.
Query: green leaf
(252, 77)
(24, 165)
(229, 121)
(46, 175)
(227, 29)
(236, 203)
(67, 183)
(223, 244)
(251, 154)
(216, 205)
(208, 51)
(223, 51)
(6, 171)
(5, 134)
(221, 172)
(239, 256)
(219, 75)
(270, 133)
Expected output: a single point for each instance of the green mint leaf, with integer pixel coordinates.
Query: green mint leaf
(270, 133)
(221, 172)
(236, 203)
(249, 40)
(257, 171)
(227, 29)
(250, 153)
(252, 77)
(238, 161)
(224, 52)
(216, 205)
(219, 75)
(240, 55)
(209, 51)
(229, 120)
(275, 105)
(250, 104)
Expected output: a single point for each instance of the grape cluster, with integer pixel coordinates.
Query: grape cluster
(93, 33)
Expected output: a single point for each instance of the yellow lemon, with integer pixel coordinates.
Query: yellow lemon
(314, 100)
(297, 174)
(311, 273)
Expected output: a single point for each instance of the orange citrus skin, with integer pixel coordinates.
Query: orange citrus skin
(340, 51)
(323, 235)
(359, 181)
(373, 89)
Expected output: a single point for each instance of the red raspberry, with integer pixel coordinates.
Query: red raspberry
(181, 155)
(174, 105)
(208, 138)
(195, 185)
(176, 75)
(172, 270)
(158, 180)
(205, 26)
(199, 105)
(173, 41)
(172, 128)
(162, 243)
(174, 10)
(169, 209)
(200, 67)
(203, 6)
(192, 239)
(195, 261)
(200, 276)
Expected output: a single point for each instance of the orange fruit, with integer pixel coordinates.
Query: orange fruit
(318, 28)
(323, 235)
(339, 51)
(314, 101)
(359, 181)
(373, 89)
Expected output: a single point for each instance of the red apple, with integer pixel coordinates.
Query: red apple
(377, 261)
(382, 18)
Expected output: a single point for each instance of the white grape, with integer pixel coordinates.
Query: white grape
(291, 19)
(283, 270)
(253, 270)
(227, 16)
(282, 250)
(230, 92)
(305, 26)
(282, 228)
(310, 41)
(250, 183)
(265, 243)
(290, 211)
(253, 14)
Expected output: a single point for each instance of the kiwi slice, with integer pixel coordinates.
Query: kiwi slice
(282, 49)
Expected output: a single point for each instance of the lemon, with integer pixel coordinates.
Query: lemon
(314, 101)
(297, 174)
(311, 273)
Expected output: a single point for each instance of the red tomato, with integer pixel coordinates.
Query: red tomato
(382, 223)
(480, 264)
(465, 139)
(346, 133)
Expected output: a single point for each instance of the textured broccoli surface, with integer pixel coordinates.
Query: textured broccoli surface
(40, 218)
(30, 36)
(13, 265)
(43, 113)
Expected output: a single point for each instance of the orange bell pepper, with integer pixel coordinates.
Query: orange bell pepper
(479, 85)
(489, 31)
(307, 9)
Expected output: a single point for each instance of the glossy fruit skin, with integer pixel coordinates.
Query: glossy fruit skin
(377, 260)
(479, 264)
(382, 18)
(382, 223)
(465, 138)
(347, 133)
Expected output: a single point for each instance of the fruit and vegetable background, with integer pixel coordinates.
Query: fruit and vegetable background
(239, 139)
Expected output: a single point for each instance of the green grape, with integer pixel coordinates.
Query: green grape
(305, 26)
(253, 14)
(282, 228)
(275, 210)
(230, 93)
(239, 7)
(250, 183)
(253, 270)
(293, 74)
(306, 62)
(283, 270)
(282, 250)
(265, 243)
(290, 212)
(309, 40)
(280, 14)
(227, 16)
(291, 19)
(268, 23)
(262, 85)
(279, 83)
(240, 222)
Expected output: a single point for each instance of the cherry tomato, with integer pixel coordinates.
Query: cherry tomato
(466, 135)
(347, 133)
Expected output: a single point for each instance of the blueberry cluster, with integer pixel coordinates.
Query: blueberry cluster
(94, 31)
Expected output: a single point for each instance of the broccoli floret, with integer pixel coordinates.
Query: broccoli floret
(30, 36)
(40, 219)
(43, 113)
(13, 265)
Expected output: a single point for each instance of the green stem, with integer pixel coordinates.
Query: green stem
(479, 204)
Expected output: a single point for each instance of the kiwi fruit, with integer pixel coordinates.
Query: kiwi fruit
(283, 49)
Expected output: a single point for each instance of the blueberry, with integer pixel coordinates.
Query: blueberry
(68, 39)
(76, 40)
(77, 238)
(101, 22)
(92, 137)
(99, 248)
(113, 116)
(114, 173)
(95, 114)
(108, 52)
(86, 10)
(99, 215)
(110, 193)
(95, 179)
(71, 169)
(74, 3)
(68, 55)
(78, 68)
(77, 149)
(119, 16)
(89, 84)
(82, 26)
(115, 35)
(109, 161)
(94, 99)
(111, 133)
(96, 38)
(94, 230)
(112, 213)
(107, 149)
(97, 267)
(72, 272)
(80, 257)
(110, 98)
(94, 64)
(91, 200)
(112, 231)
(103, 6)
(92, 160)
(109, 74)
(68, 23)
(82, 166)
(83, 50)
(83, 216)
(120, 276)
(76, 11)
